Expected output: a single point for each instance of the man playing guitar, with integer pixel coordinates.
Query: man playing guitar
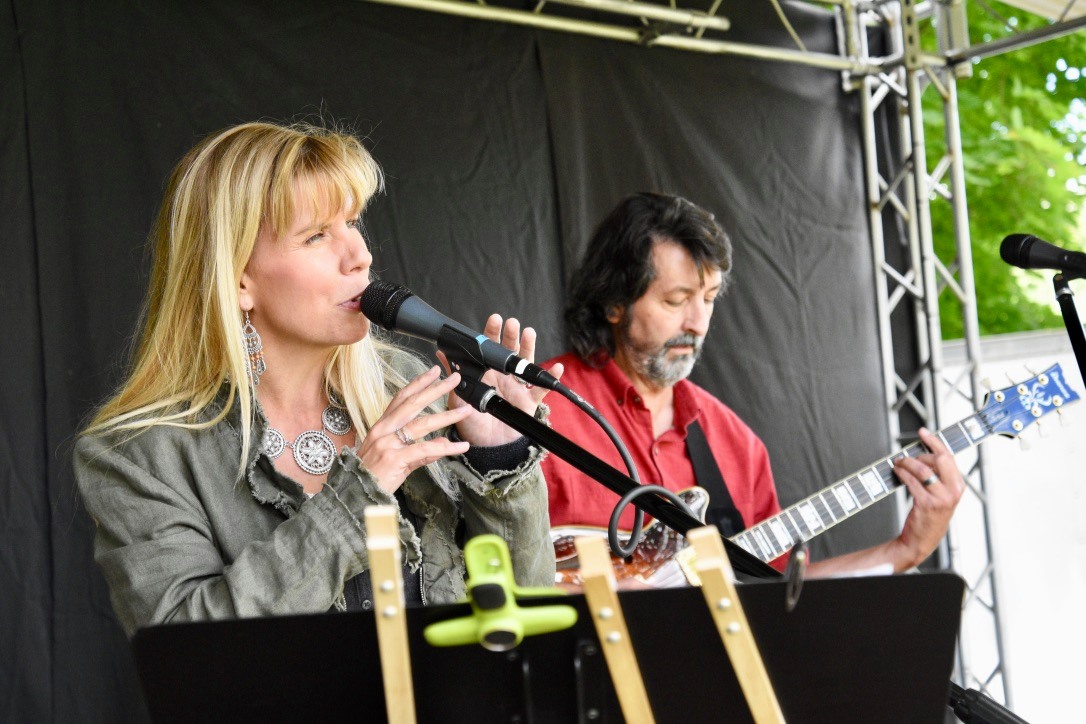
(637, 313)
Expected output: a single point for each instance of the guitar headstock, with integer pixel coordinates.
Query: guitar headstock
(1012, 409)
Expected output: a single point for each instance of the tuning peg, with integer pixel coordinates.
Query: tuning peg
(1030, 370)
(1023, 442)
(1040, 430)
(986, 383)
(1011, 379)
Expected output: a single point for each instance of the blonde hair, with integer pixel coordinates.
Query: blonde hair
(189, 344)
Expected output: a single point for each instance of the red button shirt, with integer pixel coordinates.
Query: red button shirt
(577, 499)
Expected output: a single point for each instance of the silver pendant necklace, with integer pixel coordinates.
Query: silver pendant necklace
(313, 450)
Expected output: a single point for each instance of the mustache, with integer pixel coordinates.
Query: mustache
(685, 340)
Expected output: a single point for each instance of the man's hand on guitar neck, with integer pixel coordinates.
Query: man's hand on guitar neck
(936, 486)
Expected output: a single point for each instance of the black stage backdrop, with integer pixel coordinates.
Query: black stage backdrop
(502, 147)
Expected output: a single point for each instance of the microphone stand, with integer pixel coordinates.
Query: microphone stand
(465, 357)
(1066, 300)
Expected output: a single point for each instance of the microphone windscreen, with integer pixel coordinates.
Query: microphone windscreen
(1015, 249)
(382, 300)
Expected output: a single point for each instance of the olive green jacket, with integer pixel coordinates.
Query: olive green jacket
(178, 539)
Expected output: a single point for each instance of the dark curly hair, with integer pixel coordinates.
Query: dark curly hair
(617, 267)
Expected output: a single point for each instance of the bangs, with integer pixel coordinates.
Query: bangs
(328, 174)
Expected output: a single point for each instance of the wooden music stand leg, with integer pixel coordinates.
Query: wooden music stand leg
(600, 591)
(718, 585)
(383, 541)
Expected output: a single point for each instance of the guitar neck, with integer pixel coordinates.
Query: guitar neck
(817, 513)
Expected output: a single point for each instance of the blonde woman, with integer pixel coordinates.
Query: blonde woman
(229, 474)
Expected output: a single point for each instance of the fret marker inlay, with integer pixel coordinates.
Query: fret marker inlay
(810, 516)
(844, 497)
(873, 483)
(783, 539)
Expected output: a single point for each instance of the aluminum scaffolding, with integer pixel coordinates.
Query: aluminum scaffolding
(917, 389)
(909, 276)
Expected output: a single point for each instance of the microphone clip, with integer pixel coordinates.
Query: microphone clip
(465, 355)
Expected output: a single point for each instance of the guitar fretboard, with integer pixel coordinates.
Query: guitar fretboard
(812, 516)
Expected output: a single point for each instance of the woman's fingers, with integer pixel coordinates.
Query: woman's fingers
(414, 387)
(511, 335)
(423, 425)
(430, 451)
(527, 344)
(493, 327)
(416, 396)
(395, 452)
(441, 358)
(390, 460)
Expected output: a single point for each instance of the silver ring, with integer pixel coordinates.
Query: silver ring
(529, 385)
(404, 436)
(933, 478)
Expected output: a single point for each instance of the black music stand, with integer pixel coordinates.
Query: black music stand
(858, 649)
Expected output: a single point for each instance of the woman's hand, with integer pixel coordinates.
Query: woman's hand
(394, 446)
(486, 430)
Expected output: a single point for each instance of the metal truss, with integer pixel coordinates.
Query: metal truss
(908, 288)
(663, 25)
(909, 276)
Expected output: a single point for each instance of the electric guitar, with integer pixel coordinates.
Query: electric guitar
(657, 561)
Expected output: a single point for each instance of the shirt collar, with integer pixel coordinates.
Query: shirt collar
(623, 392)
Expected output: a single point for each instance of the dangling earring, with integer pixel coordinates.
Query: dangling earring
(255, 349)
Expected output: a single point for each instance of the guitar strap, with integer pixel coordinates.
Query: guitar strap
(722, 511)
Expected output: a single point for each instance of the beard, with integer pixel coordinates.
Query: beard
(654, 365)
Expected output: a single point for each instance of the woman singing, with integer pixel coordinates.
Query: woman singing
(229, 474)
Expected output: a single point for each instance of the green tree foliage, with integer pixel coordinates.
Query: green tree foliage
(1023, 127)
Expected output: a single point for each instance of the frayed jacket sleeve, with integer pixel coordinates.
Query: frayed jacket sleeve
(509, 503)
(160, 538)
(513, 505)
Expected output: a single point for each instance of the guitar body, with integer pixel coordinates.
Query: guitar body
(656, 560)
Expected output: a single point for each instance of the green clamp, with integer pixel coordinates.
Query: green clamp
(497, 623)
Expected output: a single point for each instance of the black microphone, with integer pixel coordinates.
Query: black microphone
(395, 307)
(1029, 252)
